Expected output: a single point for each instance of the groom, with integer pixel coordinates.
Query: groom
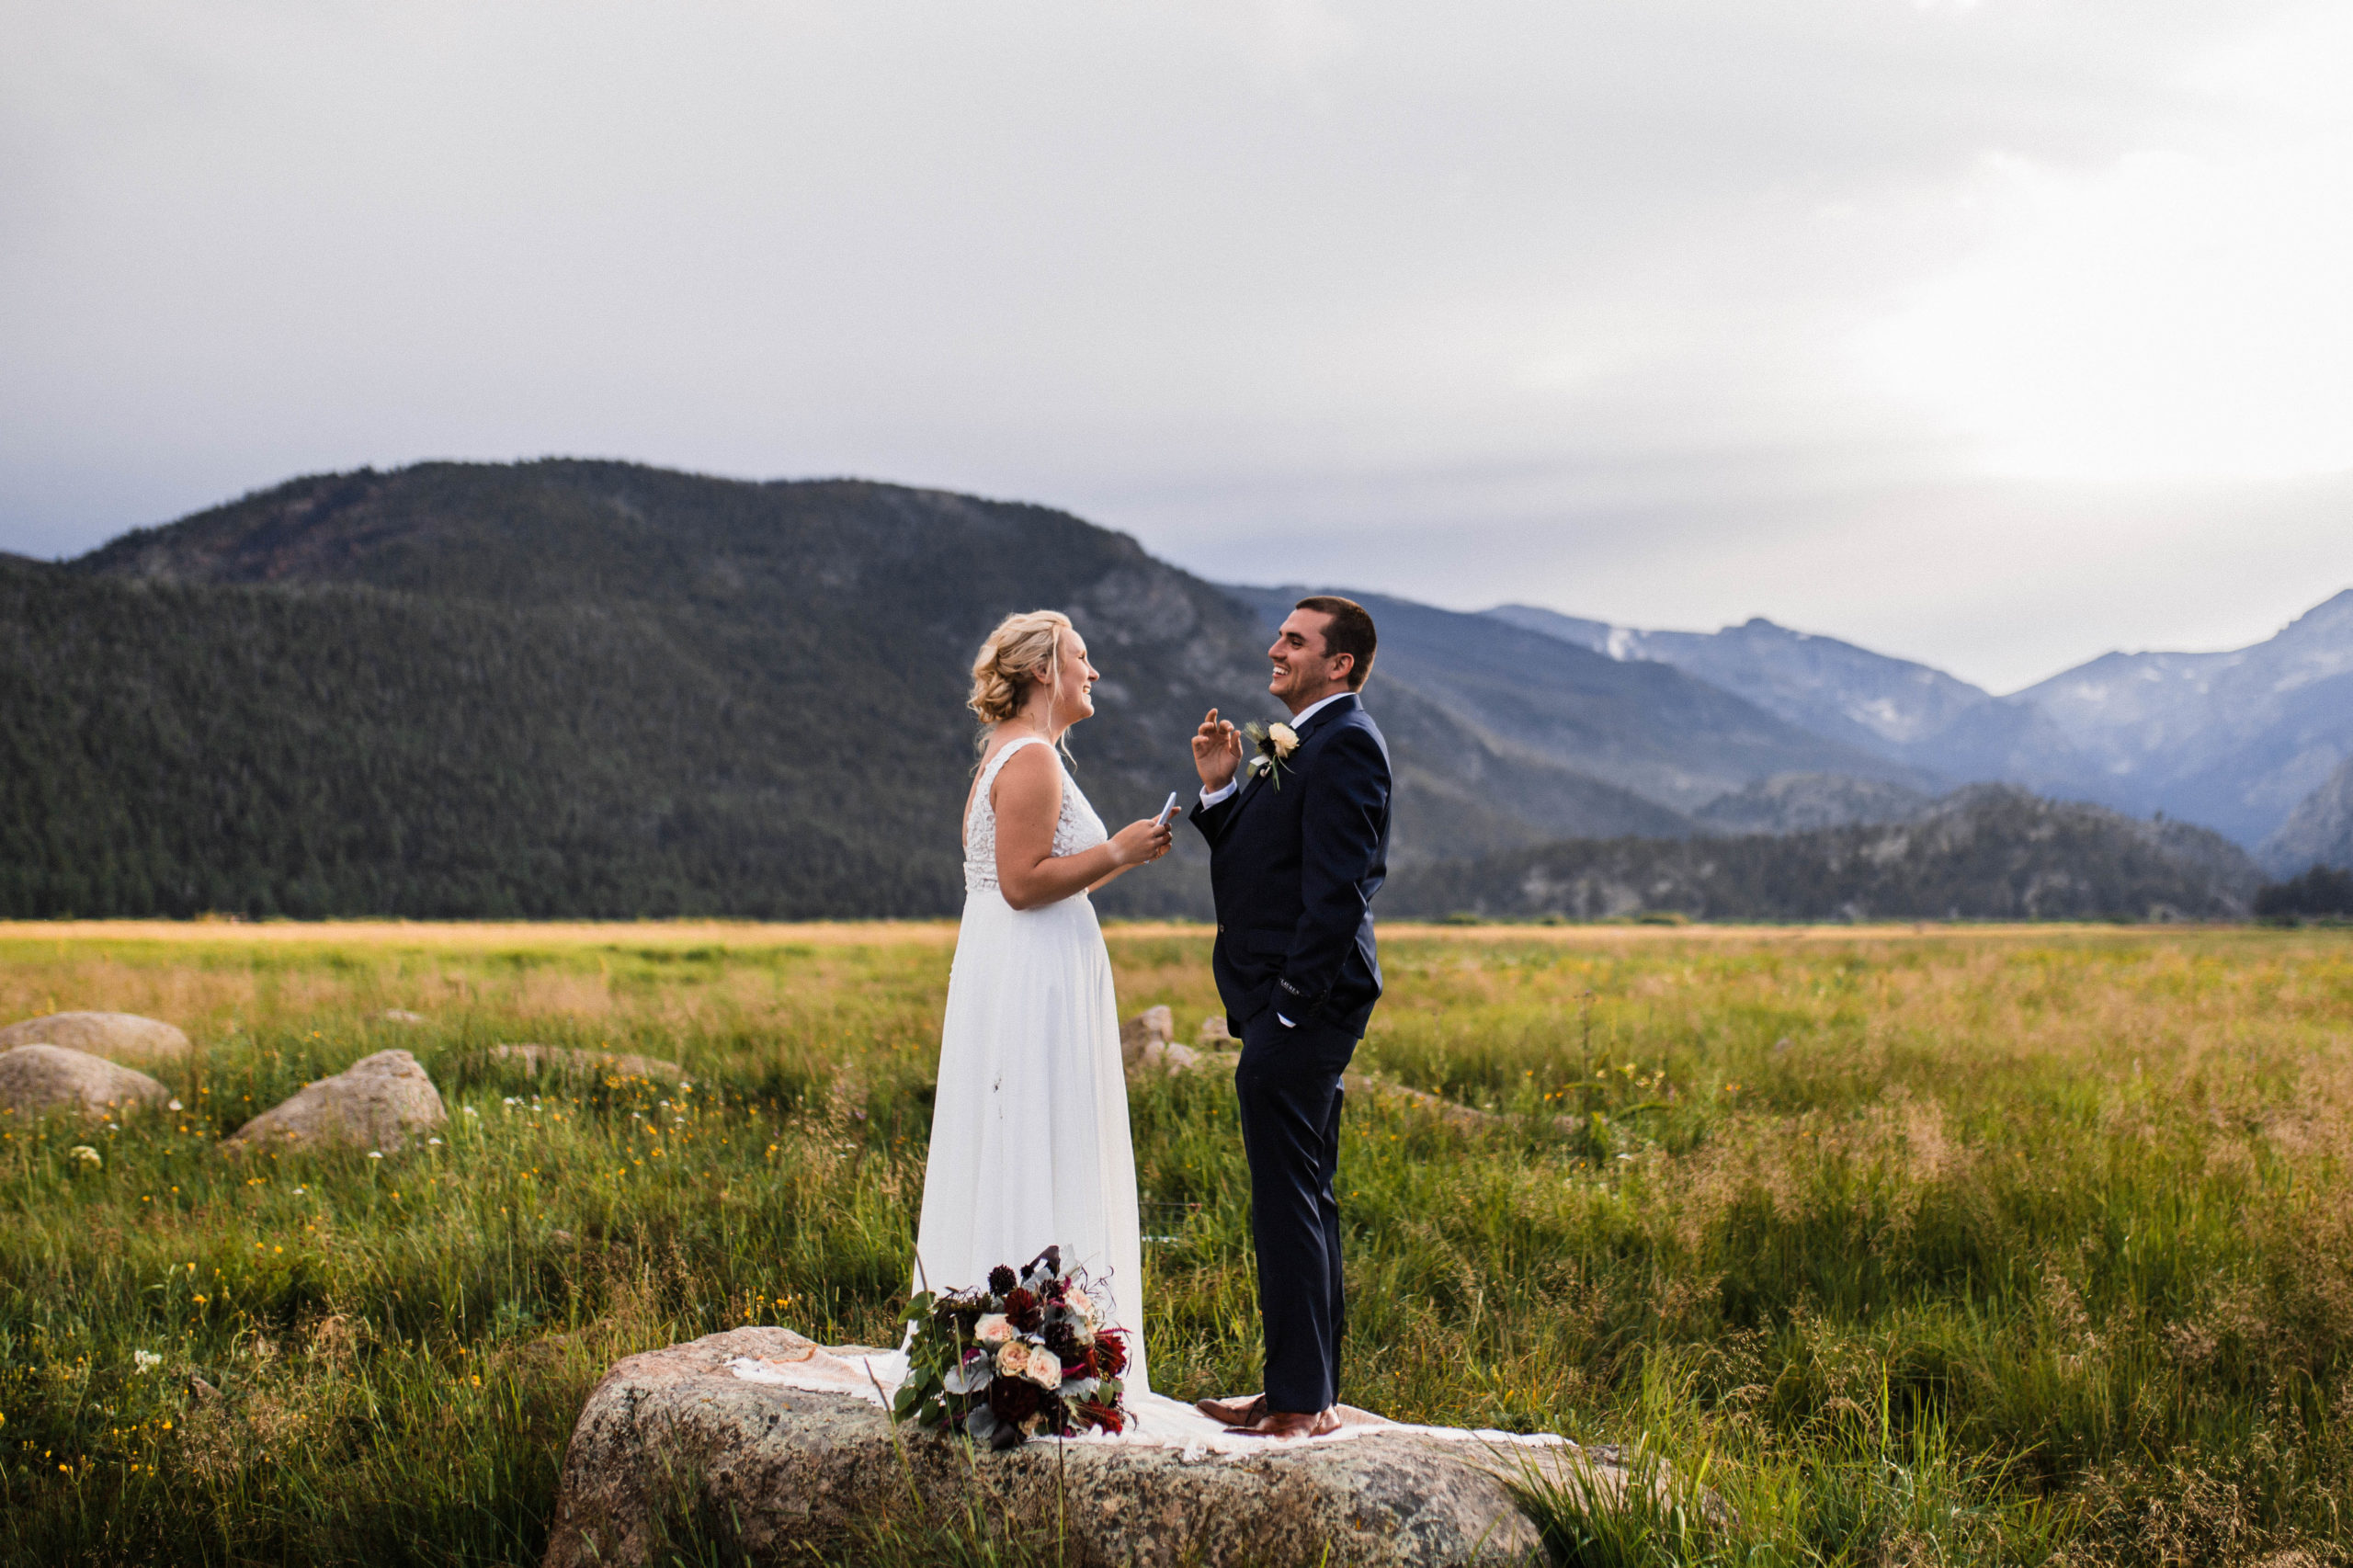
(1298, 847)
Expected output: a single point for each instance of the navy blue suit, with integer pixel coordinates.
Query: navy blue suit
(1293, 870)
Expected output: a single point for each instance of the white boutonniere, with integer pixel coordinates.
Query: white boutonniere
(1275, 744)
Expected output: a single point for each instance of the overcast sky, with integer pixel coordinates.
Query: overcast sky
(1996, 335)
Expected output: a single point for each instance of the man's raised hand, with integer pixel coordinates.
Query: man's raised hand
(1217, 752)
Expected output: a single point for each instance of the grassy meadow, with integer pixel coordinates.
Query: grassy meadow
(1955, 1246)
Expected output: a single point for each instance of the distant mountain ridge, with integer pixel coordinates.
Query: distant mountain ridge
(1833, 688)
(2231, 739)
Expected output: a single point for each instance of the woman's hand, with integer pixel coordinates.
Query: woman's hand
(1140, 842)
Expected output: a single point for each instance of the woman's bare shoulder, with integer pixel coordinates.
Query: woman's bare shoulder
(1031, 767)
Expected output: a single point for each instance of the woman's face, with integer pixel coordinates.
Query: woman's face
(1074, 696)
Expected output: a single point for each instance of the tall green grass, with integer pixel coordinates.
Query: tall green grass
(2024, 1247)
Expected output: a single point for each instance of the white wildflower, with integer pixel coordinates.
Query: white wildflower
(145, 1360)
(85, 1153)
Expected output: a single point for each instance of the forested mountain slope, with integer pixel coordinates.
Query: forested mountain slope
(1989, 852)
(602, 689)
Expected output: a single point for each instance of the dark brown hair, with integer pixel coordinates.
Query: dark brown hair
(1350, 632)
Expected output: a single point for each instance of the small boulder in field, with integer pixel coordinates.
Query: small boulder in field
(1148, 1043)
(375, 1103)
(1174, 1058)
(38, 1079)
(118, 1037)
(563, 1061)
(1153, 1025)
(1215, 1036)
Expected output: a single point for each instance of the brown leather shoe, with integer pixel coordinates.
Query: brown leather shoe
(1288, 1424)
(1232, 1412)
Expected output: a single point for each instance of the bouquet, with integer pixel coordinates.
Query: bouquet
(1028, 1352)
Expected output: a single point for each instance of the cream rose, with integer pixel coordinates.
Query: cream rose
(1013, 1358)
(1286, 739)
(1043, 1368)
(992, 1329)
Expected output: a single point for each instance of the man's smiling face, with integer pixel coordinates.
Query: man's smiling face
(1303, 673)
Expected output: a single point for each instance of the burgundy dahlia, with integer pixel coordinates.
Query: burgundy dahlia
(1015, 1399)
(1062, 1338)
(1110, 1352)
(1024, 1311)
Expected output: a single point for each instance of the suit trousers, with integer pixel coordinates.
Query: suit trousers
(1288, 1087)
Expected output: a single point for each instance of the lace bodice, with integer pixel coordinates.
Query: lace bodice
(1077, 828)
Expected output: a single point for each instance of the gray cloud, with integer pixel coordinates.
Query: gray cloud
(1473, 302)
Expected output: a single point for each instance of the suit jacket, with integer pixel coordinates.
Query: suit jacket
(1293, 870)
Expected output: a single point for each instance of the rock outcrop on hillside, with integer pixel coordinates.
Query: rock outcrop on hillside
(377, 1103)
(673, 1438)
(41, 1080)
(118, 1037)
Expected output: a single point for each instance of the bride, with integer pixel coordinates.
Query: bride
(1029, 1144)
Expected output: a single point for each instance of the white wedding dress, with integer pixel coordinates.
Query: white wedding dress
(1029, 1144)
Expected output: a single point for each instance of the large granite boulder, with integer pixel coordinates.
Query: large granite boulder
(676, 1435)
(118, 1037)
(38, 1080)
(376, 1103)
(565, 1062)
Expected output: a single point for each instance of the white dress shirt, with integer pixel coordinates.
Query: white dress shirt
(1210, 798)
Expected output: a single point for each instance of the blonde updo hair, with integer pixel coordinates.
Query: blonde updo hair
(1006, 671)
